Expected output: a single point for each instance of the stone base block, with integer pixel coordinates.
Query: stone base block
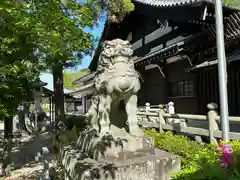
(145, 165)
(118, 156)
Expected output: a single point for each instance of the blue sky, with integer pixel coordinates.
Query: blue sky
(96, 32)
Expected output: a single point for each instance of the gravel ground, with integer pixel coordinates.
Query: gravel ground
(24, 165)
(26, 173)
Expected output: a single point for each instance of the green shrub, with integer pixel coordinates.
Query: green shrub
(199, 162)
(79, 122)
(74, 124)
(68, 137)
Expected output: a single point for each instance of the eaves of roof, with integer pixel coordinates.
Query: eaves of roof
(88, 87)
(176, 3)
(230, 58)
(84, 78)
(160, 4)
(169, 3)
(231, 27)
(167, 51)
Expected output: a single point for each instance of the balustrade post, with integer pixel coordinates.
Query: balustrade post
(170, 110)
(161, 117)
(213, 126)
(147, 107)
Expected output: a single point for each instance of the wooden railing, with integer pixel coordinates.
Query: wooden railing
(162, 120)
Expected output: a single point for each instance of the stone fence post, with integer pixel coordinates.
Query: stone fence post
(170, 110)
(147, 107)
(161, 117)
(213, 126)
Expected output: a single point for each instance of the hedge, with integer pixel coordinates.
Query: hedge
(199, 162)
(77, 121)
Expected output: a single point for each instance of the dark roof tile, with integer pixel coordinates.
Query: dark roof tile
(171, 3)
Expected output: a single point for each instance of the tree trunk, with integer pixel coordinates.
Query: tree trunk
(58, 97)
(58, 92)
(6, 154)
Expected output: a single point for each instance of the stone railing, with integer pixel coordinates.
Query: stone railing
(164, 118)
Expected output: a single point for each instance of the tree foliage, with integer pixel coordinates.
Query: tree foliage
(16, 57)
(35, 36)
(234, 3)
(116, 9)
(69, 77)
(61, 25)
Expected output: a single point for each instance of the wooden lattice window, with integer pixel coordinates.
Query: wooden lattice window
(183, 89)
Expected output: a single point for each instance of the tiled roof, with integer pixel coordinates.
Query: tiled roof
(171, 3)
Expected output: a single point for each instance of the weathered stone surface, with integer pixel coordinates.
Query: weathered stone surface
(103, 157)
(116, 86)
(148, 165)
(115, 147)
(100, 146)
(147, 168)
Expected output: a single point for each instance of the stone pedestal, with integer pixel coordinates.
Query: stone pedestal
(122, 158)
(146, 164)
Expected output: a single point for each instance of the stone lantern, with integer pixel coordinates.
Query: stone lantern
(37, 93)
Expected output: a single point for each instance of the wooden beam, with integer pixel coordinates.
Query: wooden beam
(179, 14)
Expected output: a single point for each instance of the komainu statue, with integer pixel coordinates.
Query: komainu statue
(115, 147)
(116, 85)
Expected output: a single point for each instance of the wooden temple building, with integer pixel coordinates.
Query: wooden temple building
(174, 44)
(84, 93)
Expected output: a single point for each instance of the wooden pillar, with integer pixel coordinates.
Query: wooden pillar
(141, 94)
(50, 108)
(53, 111)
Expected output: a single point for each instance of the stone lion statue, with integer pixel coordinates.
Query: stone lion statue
(116, 85)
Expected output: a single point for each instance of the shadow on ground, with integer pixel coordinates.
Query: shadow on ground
(23, 154)
(24, 165)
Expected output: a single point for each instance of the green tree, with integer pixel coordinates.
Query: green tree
(17, 67)
(36, 36)
(39, 35)
(69, 77)
(68, 41)
(42, 35)
(234, 3)
(116, 9)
